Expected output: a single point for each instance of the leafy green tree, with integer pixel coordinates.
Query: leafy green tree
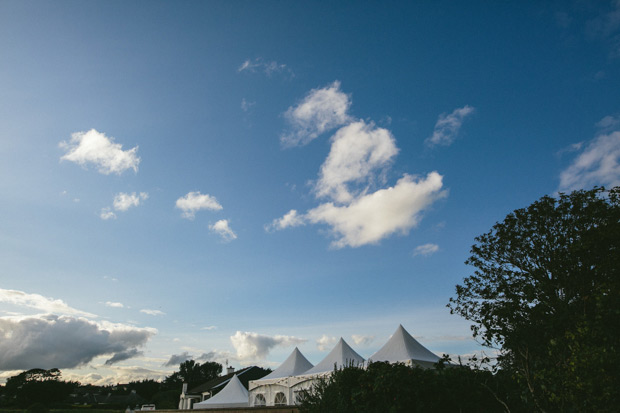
(546, 292)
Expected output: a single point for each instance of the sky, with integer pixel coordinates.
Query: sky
(226, 180)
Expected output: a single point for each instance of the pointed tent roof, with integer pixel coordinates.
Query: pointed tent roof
(403, 347)
(342, 356)
(233, 395)
(294, 365)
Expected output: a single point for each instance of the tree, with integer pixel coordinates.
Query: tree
(38, 386)
(193, 373)
(546, 292)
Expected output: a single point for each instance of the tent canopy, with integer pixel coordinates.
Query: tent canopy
(233, 395)
(402, 347)
(341, 356)
(294, 365)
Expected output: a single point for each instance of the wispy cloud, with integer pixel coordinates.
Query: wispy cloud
(599, 161)
(289, 220)
(325, 342)
(152, 312)
(448, 126)
(254, 346)
(39, 302)
(320, 111)
(246, 105)
(268, 68)
(426, 249)
(362, 340)
(123, 201)
(223, 229)
(209, 328)
(107, 213)
(96, 148)
(194, 202)
(114, 304)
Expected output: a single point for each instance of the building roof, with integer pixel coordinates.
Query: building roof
(341, 356)
(244, 375)
(402, 347)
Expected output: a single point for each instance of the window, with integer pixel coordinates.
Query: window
(280, 399)
(259, 400)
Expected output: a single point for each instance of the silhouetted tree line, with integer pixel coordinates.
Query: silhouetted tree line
(40, 389)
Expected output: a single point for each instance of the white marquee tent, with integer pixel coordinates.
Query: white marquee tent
(294, 365)
(233, 395)
(403, 348)
(341, 356)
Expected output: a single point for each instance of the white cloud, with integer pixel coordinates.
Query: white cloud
(372, 217)
(114, 304)
(326, 343)
(289, 220)
(107, 213)
(123, 201)
(356, 151)
(426, 249)
(96, 148)
(194, 202)
(209, 328)
(65, 342)
(362, 340)
(597, 164)
(269, 68)
(223, 230)
(321, 110)
(254, 346)
(36, 301)
(608, 123)
(448, 126)
(246, 105)
(152, 312)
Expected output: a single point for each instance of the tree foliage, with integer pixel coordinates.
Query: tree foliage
(38, 386)
(546, 292)
(384, 387)
(193, 373)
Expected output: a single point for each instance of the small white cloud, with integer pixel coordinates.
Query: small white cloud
(372, 217)
(268, 68)
(209, 328)
(106, 213)
(608, 123)
(448, 126)
(194, 202)
(362, 340)
(152, 312)
(246, 105)
(426, 249)
(597, 164)
(123, 201)
(326, 343)
(254, 346)
(223, 230)
(320, 111)
(96, 148)
(357, 150)
(289, 220)
(114, 304)
(39, 302)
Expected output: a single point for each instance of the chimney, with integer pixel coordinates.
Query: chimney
(184, 388)
(230, 369)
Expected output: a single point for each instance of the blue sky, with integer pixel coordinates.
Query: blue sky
(226, 180)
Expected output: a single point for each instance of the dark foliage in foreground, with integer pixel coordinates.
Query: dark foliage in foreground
(384, 387)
